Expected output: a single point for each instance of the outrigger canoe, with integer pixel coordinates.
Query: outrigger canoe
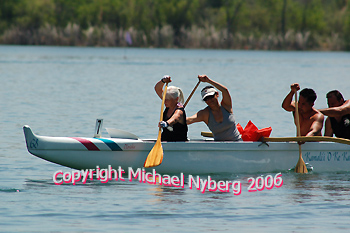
(202, 156)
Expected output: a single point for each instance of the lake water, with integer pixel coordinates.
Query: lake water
(61, 91)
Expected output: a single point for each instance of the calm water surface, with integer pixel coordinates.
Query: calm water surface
(60, 91)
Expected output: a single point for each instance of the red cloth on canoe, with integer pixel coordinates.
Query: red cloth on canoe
(252, 133)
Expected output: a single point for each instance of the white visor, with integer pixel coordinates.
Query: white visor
(208, 92)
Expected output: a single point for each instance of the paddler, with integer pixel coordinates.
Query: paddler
(174, 116)
(338, 112)
(311, 120)
(217, 115)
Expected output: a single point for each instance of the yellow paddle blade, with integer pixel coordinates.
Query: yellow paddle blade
(300, 167)
(155, 156)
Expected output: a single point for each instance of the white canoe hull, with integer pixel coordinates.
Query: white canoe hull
(192, 157)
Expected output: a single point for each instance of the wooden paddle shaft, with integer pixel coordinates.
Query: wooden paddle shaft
(190, 96)
(297, 114)
(300, 167)
(163, 101)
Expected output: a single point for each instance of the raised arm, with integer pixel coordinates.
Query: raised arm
(288, 103)
(226, 101)
(159, 85)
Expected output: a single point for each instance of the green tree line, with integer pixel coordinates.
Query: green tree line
(232, 24)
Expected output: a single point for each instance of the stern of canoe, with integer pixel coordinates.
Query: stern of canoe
(86, 153)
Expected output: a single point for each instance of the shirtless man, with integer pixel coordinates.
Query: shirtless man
(311, 120)
(338, 120)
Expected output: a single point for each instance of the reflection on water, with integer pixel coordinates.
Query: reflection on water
(169, 195)
(319, 187)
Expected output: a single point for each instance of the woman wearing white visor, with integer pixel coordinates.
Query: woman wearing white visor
(218, 116)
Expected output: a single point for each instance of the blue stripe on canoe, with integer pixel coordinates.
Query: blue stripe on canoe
(114, 146)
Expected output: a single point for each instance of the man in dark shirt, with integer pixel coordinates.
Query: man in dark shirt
(338, 120)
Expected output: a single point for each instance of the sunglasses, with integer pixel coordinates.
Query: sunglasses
(208, 97)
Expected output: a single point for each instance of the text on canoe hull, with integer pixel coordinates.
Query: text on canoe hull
(327, 156)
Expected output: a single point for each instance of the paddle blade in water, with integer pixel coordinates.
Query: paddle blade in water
(300, 167)
(155, 157)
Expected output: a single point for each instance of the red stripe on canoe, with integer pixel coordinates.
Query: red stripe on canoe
(88, 144)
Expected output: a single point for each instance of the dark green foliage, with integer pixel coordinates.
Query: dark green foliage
(322, 20)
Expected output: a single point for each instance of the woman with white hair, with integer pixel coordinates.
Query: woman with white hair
(174, 116)
(217, 115)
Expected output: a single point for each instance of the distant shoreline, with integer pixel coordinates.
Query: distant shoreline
(194, 38)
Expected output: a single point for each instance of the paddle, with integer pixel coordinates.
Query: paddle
(300, 167)
(189, 97)
(155, 157)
